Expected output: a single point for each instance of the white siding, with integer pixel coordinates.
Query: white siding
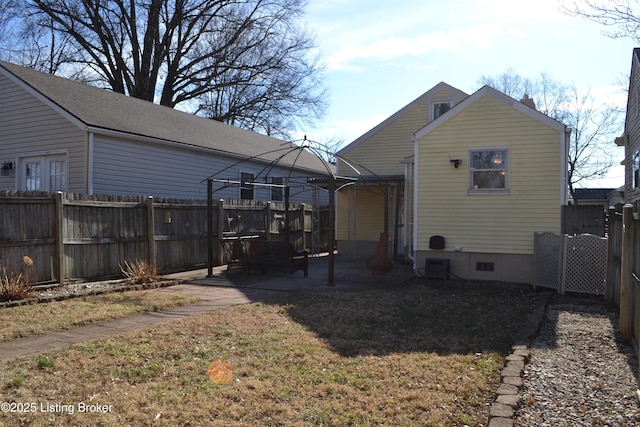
(28, 125)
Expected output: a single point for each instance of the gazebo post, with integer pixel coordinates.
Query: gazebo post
(287, 227)
(210, 228)
(332, 227)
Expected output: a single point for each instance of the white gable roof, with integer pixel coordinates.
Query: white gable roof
(496, 94)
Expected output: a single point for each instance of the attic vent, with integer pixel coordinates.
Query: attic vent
(485, 266)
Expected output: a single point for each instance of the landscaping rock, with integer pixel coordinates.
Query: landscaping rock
(501, 422)
(512, 400)
(501, 410)
(516, 381)
(580, 372)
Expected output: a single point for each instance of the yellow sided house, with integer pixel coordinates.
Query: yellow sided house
(459, 183)
(380, 162)
(488, 175)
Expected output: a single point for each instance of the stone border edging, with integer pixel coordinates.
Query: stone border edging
(507, 399)
(124, 288)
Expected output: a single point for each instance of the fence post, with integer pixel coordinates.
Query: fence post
(267, 221)
(303, 225)
(626, 294)
(59, 257)
(151, 232)
(220, 231)
(610, 286)
(564, 244)
(209, 227)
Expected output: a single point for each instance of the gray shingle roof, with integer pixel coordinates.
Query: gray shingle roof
(103, 109)
(593, 193)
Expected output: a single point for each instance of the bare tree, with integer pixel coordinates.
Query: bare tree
(594, 127)
(8, 13)
(622, 16)
(244, 62)
(594, 124)
(549, 95)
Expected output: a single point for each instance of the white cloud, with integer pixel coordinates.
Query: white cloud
(610, 95)
(392, 47)
(352, 33)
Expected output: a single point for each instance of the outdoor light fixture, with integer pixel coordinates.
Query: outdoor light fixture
(6, 169)
(455, 162)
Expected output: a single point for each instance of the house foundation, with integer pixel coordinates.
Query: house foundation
(516, 268)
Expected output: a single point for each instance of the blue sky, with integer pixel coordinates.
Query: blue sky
(380, 55)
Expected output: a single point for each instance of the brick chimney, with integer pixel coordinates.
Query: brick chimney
(528, 101)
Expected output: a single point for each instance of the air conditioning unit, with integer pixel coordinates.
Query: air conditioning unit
(436, 268)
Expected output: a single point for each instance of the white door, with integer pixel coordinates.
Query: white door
(44, 173)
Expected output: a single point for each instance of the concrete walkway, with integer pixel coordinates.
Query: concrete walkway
(222, 290)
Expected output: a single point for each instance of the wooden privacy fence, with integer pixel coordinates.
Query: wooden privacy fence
(623, 279)
(623, 282)
(71, 236)
(583, 219)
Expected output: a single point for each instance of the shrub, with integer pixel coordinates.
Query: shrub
(16, 283)
(140, 271)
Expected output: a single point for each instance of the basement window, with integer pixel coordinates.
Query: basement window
(485, 266)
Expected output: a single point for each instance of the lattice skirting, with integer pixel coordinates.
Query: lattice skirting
(570, 263)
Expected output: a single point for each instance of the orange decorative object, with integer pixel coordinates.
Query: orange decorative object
(220, 372)
(380, 263)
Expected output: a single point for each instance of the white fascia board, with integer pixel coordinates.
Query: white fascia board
(565, 140)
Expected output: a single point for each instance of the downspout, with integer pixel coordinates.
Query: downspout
(566, 142)
(414, 207)
(90, 145)
(396, 222)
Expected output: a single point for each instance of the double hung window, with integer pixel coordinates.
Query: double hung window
(439, 108)
(488, 170)
(246, 185)
(277, 189)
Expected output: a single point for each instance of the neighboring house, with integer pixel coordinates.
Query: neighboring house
(599, 196)
(484, 176)
(60, 135)
(630, 138)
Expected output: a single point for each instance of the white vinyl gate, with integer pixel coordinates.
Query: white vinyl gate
(570, 263)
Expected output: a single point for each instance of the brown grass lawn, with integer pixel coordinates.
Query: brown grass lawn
(37, 319)
(413, 356)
